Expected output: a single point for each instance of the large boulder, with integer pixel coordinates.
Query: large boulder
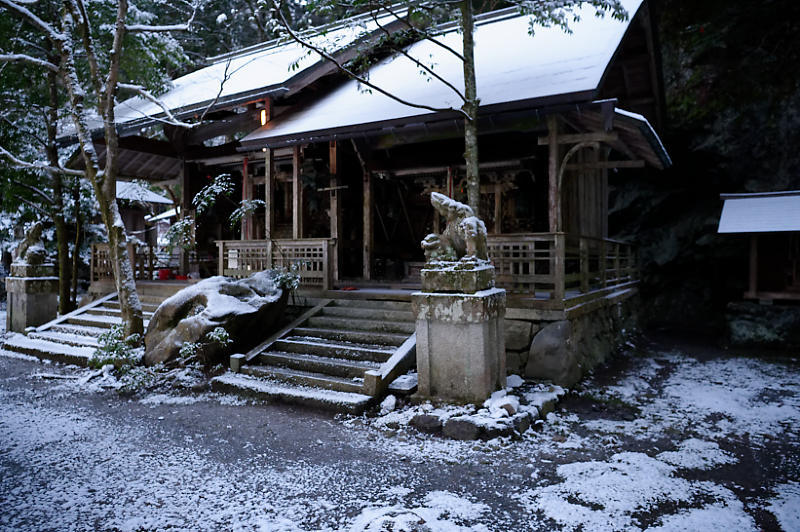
(248, 309)
(552, 356)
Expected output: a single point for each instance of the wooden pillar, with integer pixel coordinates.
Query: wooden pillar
(753, 287)
(247, 194)
(269, 194)
(559, 277)
(186, 205)
(498, 208)
(368, 229)
(553, 213)
(297, 196)
(334, 208)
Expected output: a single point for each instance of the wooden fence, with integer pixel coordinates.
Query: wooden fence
(557, 265)
(309, 257)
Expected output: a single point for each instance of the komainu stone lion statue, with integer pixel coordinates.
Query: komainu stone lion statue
(31, 250)
(464, 237)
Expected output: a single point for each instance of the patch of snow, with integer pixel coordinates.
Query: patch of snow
(605, 496)
(514, 381)
(786, 505)
(166, 399)
(441, 511)
(722, 516)
(388, 404)
(697, 454)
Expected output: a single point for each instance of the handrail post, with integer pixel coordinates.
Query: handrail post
(325, 267)
(559, 250)
(92, 260)
(616, 263)
(583, 251)
(631, 263)
(603, 264)
(221, 257)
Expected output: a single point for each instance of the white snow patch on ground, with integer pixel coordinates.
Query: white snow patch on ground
(166, 399)
(786, 506)
(441, 511)
(697, 454)
(725, 516)
(605, 496)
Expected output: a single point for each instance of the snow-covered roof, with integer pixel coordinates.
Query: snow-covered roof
(254, 72)
(132, 191)
(760, 213)
(511, 67)
(166, 215)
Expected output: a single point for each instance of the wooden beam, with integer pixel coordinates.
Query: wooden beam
(247, 194)
(269, 194)
(606, 165)
(592, 136)
(753, 264)
(297, 196)
(552, 174)
(186, 204)
(368, 229)
(498, 208)
(335, 205)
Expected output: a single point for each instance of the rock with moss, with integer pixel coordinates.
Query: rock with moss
(215, 317)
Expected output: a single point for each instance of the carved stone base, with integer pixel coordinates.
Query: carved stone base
(32, 301)
(464, 277)
(460, 344)
(33, 270)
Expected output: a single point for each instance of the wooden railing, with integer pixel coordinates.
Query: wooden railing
(143, 261)
(309, 257)
(558, 265)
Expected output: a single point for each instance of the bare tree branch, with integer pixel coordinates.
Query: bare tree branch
(36, 190)
(23, 58)
(32, 205)
(144, 93)
(38, 23)
(38, 165)
(88, 44)
(225, 77)
(424, 34)
(416, 61)
(145, 28)
(349, 72)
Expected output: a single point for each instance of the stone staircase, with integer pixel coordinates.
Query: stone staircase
(73, 338)
(341, 355)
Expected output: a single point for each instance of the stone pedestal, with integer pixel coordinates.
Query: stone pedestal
(32, 296)
(460, 339)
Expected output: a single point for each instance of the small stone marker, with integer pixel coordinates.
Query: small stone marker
(32, 286)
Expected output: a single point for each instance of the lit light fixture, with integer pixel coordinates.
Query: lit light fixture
(263, 117)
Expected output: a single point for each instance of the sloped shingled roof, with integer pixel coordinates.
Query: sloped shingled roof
(513, 69)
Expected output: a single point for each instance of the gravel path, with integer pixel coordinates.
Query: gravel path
(671, 437)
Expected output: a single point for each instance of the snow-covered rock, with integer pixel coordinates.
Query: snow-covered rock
(247, 309)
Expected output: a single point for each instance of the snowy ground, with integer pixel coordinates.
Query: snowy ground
(664, 440)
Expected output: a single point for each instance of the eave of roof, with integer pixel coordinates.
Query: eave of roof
(769, 212)
(512, 74)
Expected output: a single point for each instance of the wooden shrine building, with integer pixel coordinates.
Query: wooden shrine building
(772, 221)
(346, 174)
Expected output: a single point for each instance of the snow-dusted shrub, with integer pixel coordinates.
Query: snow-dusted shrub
(287, 279)
(116, 349)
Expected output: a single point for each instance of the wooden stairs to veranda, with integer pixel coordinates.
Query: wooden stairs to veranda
(341, 355)
(73, 338)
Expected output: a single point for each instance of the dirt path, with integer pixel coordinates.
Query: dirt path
(674, 436)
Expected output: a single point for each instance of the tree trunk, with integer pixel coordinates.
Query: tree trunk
(104, 181)
(471, 108)
(76, 253)
(62, 233)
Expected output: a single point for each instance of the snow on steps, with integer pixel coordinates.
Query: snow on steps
(329, 349)
(266, 389)
(43, 349)
(72, 338)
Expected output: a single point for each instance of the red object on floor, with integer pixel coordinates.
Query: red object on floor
(181, 277)
(349, 288)
(164, 274)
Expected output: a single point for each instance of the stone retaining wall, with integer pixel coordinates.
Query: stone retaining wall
(564, 349)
